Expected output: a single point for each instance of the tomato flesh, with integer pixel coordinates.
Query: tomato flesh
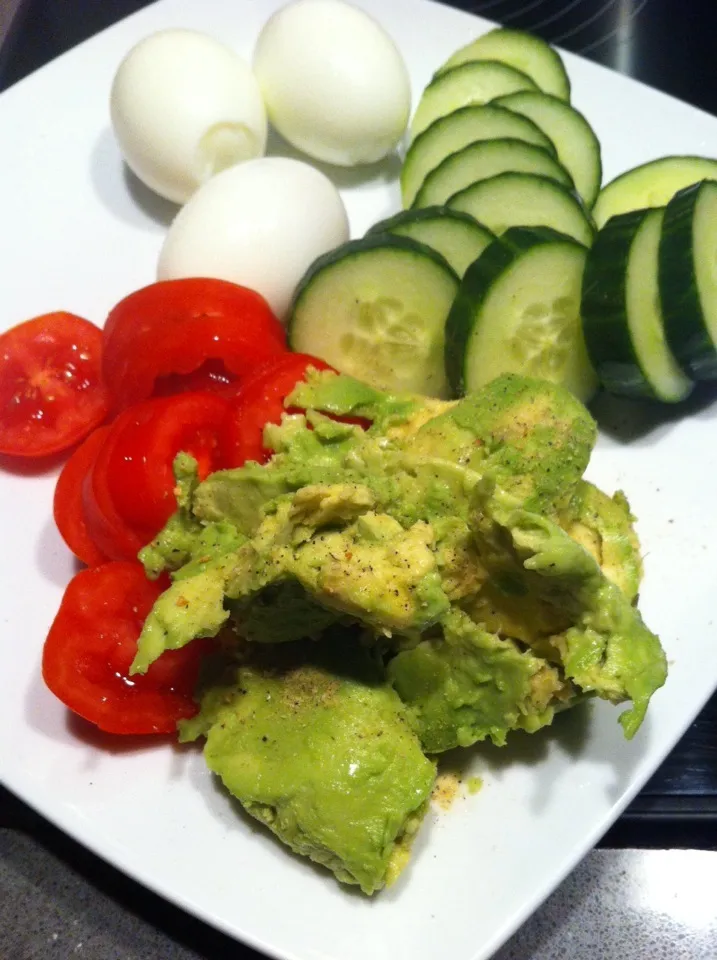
(211, 376)
(51, 390)
(67, 506)
(260, 400)
(128, 495)
(140, 479)
(110, 532)
(91, 645)
(175, 327)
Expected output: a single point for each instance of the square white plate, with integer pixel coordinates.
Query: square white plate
(76, 233)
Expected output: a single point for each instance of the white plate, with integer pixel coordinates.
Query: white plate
(77, 234)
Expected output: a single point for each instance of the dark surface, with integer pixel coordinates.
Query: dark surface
(665, 44)
(657, 41)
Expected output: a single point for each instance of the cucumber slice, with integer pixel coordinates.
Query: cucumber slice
(376, 309)
(456, 236)
(651, 185)
(476, 82)
(455, 131)
(521, 50)
(518, 311)
(688, 278)
(484, 159)
(574, 139)
(622, 318)
(524, 199)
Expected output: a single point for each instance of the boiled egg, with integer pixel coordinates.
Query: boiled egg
(260, 224)
(183, 107)
(334, 82)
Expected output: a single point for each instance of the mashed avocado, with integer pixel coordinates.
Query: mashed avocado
(488, 585)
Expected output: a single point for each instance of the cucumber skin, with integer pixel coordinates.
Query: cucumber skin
(660, 163)
(596, 149)
(531, 40)
(568, 183)
(379, 241)
(546, 144)
(603, 308)
(438, 79)
(685, 329)
(587, 215)
(475, 287)
(425, 213)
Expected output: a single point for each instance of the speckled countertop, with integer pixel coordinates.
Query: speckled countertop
(617, 905)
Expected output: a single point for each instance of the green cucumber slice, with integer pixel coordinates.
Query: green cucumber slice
(524, 199)
(476, 82)
(376, 309)
(518, 311)
(574, 139)
(456, 236)
(484, 159)
(652, 184)
(455, 131)
(521, 50)
(622, 317)
(688, 278)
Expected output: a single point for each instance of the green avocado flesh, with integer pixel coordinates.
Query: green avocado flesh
(443, 577)
(316, 744)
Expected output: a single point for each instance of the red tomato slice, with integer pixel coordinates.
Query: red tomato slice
(139, 477)
(67, 504)
(212, 376)
(51, 392)
(105, 525)
(128, 495)
(260, 400)
(175, 326)
(92, 643)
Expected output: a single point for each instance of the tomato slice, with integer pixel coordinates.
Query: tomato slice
(176, 326)
(105, 525)
(128, 495)
(212, 376)
(260, 400)
(90, 647)
(139, 477)
(67, 505)
(51, 391)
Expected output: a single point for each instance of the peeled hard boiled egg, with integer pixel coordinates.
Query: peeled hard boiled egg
(260, 224)
(334, 82)
(184, 107)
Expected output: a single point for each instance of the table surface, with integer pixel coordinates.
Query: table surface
(630, 897)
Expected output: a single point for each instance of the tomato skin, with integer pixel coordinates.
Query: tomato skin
(212, 376)
(260, 400)
(140, 479)
(90, 647)
(67, 507)
(51, 390)
(128, 495)
(105, 525)
(176, 326)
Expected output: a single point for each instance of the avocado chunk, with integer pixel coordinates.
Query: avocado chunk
(606, 649)
(316, 744)
(469, 685)
(325, 539)
(280, 613)
(604, 526)
(522, 610)
(533, 437)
